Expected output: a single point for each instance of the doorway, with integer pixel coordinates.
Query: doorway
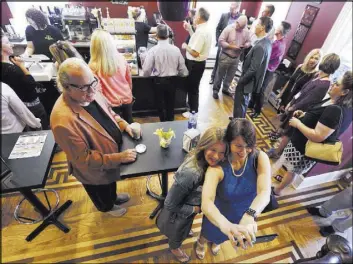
(216, 10)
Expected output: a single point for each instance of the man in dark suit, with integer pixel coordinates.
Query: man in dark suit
(226, 19)
(254, 68)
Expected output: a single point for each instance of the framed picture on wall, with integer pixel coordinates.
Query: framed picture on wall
(293, 50)
(309, 15)
(300, 33)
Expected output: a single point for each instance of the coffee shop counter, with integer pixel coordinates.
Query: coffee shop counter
(143, 91)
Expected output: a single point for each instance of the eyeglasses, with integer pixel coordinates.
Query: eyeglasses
(239, 146)
(85, 88)
(336, 82)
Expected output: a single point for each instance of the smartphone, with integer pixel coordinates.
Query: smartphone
(262, 239)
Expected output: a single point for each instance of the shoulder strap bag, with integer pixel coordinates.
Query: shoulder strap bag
(326, 152)
(273, 204)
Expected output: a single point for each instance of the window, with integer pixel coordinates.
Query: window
(339, 39)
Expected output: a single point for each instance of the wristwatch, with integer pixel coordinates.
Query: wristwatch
(252, 213)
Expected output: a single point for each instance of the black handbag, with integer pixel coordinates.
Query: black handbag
(273, 204)
(173, 225)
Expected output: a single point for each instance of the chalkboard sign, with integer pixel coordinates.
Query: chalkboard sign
(119, 2)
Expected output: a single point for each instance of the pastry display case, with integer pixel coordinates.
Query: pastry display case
(126, 44)
(124, 33)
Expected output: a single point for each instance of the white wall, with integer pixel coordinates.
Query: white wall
(216, 9)
(339, 40)
(18, 10)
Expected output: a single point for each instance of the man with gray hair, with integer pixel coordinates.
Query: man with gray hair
(232, 41)
(197, 52)
(90, 134)
(165, 62)
(277, 53)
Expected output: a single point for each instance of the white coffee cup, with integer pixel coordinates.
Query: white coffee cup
(136, 130)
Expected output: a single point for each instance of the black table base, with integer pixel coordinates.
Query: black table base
(160, 198)
(49, 217)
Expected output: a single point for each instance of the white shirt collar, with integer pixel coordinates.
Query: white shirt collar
(201, 25)
(163, 41)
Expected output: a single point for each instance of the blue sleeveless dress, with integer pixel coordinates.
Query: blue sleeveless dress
(234, 196)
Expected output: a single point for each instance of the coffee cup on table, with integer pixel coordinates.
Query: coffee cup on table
(136, 130)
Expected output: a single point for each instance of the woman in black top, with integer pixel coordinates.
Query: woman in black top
(304, 73)
(318, 124)
(39, 34)
(15, 74)
(313, 92)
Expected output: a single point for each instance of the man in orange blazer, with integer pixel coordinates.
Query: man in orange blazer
(90, 134)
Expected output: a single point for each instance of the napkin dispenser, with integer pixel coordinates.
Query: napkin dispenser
(190, 139)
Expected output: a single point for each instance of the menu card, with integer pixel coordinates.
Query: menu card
(28, 145)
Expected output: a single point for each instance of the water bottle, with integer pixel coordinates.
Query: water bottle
(192, 123)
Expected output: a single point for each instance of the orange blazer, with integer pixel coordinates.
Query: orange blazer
(91, 152)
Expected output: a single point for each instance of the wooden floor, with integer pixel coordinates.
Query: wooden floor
(98, 237)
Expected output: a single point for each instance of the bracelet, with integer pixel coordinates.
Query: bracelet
(252, 213)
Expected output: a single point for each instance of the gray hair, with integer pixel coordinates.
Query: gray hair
(69, 65)
(242, 20)
(204, 14)
(162, 31)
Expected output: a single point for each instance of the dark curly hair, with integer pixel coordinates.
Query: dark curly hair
(38, 17)
(243, 128)
(347, 83)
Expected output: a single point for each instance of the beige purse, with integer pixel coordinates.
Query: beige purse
(326, 152)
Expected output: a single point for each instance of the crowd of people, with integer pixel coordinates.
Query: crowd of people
(224, 176)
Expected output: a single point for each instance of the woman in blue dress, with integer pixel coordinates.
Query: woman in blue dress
(235, 192)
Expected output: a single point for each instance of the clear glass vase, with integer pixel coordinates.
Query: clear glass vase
(164, 143)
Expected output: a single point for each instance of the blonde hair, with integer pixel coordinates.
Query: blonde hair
(210, 137)
(305, 64)
(104, 53)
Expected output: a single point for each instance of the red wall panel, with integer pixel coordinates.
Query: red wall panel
(5, 13)
(252, 8)
(319, 30)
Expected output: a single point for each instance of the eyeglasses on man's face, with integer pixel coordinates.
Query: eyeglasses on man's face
(85, 88)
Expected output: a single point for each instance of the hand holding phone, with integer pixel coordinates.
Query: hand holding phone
(260, 239)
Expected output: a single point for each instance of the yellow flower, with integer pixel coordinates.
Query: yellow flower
(165, 134)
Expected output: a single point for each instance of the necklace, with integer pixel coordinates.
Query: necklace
(238, 175)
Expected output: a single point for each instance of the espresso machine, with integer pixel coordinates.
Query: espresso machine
(76, 22)
(11, 34)
(55, 18)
